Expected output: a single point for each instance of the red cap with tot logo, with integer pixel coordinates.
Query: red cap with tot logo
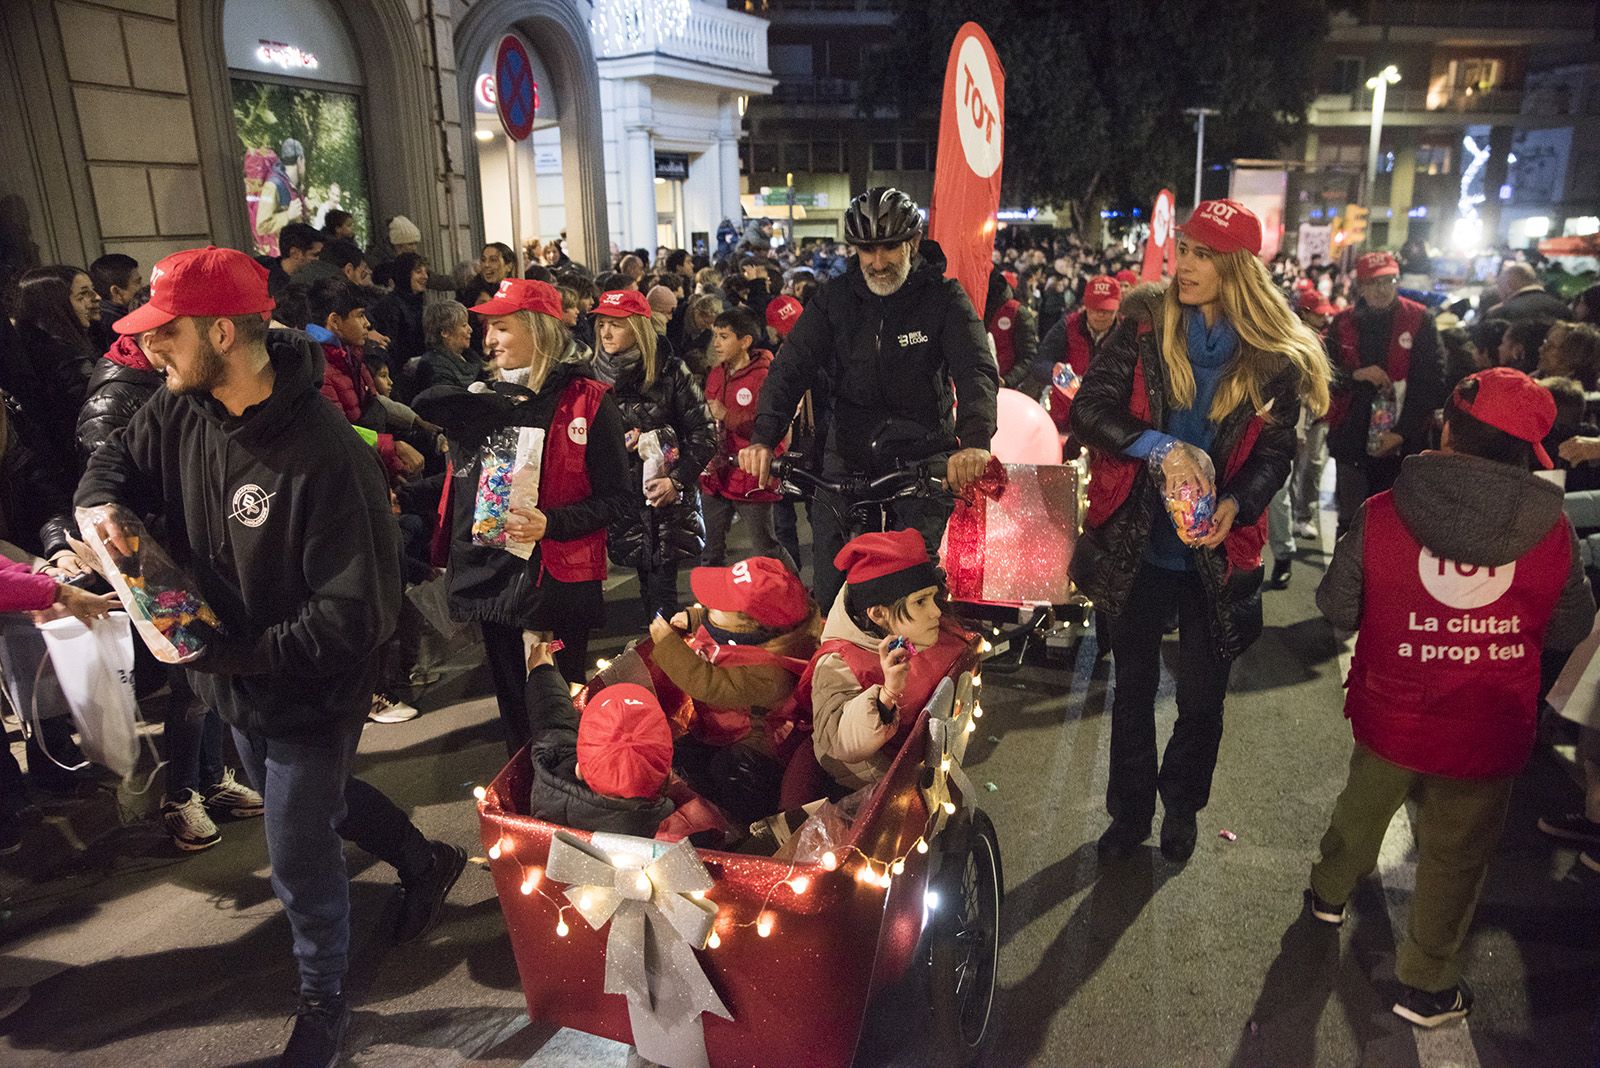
(783, 312)
(200, 281)
(1511, 402)
(1376, 265)
(761, 588)
(1224, 226)
(621, 303)
(522, 294)
(1103, 293)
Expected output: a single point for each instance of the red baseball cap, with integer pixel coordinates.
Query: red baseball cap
(200, 281)
(522, 294)
(1103, 293)
(624, 742)
(1010, 277)
(1509, 400)
(1127, 278)
(1224, 226)
(1376, 265)
(782, 313)
(884, 567)
(621, 303)
(760, 587)
(1309, 299)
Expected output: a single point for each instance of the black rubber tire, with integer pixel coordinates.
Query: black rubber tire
(964, 950)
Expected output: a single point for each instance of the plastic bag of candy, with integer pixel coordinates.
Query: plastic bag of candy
(164, 603)
(1385, 415)
(1188, 485)
(658, 449)
(508, 478)
(1066, 380)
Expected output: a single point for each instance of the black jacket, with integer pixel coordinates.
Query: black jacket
(487, 583)
(646, 537)
(398, 316)
(1107, 558)
(35, 492)
(556, 794)
(47, 376)
(869, 359)
(1529, 304)
(287, 532)
(115, 393)
(1425, 389)
(435, 367)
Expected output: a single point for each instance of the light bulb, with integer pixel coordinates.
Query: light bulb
(714, 941)
(972, 725)
(584, 901)
(885, 882)
(829, 861)
(898, 867)
(764, 925)
(494, 851)
(800, 884)
(977, 711)
(698, 895)
(602, 663)
(643, 882)
(865, 874)
(479, 792)
(985, 646)
(977, 680)
(562, 930)
(949, 808)
(922, 847)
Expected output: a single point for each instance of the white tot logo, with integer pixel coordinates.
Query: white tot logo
(1463, 586)
(741, 571)
(977, 109)
(1161, 225)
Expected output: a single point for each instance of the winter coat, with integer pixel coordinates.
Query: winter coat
(869, 359)
(739, 394)
(1351, 414)
(436, 367)
(35, 491)
(647, 537)
(557, 795)
(48, 379)
(1251, 452)
(100, 331)
(1534, 302)
(348, 384)
(281, 519)
(23, 591)
(121, 383)
(398, 316)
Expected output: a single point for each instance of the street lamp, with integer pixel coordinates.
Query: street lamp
(1200, 144)
(1379, 84)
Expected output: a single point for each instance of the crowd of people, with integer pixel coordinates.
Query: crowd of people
(319, 436)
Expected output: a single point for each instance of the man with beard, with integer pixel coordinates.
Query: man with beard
(279, 514)
(892, 351)
(1384, 348)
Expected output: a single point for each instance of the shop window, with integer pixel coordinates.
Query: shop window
(797, 156)
(826, 157)
(1433, 159)
(885, 156)
(763, 156)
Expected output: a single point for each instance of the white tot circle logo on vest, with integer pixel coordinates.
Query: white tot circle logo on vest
(1003, 323)
(578, 430)
(1463, 586)
(744, 396)
(1404, 339)
(977, 110)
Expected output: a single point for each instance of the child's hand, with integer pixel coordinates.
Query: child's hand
(896, 664)
(660, 629)
(539, 655)
(86, 606)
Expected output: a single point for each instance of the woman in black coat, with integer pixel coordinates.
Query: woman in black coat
(398, 316)
(655, 393)
(1219, 365)
(47, 372)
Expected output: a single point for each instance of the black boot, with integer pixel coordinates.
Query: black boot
(319, 1027)
(1280, 575)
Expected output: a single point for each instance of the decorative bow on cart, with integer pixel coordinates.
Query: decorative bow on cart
(657, 923)
(950, 721)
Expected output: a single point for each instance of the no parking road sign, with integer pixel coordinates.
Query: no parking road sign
(516, 95)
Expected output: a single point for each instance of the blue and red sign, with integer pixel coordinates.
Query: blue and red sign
(516, 94)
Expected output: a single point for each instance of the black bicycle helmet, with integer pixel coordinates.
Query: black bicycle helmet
(883, 215)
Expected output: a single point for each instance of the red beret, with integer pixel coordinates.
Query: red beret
(624, 742)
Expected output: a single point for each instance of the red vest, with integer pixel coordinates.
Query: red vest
(740, 394)
(564, 479)
(1003, 328)
(1445, 677)
(1080, 350)
(1407, 322)
(725, 726)
(691, 813)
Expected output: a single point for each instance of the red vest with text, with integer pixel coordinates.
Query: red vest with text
(725, 726)
(564, 479)
(1003, 328)
(1080, 350)
(1408, 316)
(1445, 676)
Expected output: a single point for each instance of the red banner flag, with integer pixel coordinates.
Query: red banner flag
(966, 178)
(1161, 248)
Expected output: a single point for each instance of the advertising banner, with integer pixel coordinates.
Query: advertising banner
(966, 179)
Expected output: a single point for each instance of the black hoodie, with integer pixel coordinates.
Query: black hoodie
(289, 537)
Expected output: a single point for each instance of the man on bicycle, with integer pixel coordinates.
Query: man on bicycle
(880, 348)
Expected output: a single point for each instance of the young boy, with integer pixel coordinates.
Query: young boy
(609, 769)
(739, 656)
(1475, 571)
(733, 391)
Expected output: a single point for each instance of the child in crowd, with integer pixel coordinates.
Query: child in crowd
(885, 647)
(739, 654)
(733, 392)
(1457, 580)
(610, 768)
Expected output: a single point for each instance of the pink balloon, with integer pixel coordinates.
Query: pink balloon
(1025, 433)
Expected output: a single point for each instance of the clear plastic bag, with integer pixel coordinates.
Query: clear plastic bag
(1385, 416)
(658, 449)
(1189, 487)
(1065, 379)
(825, 831)
(508, 478)
(164, 603)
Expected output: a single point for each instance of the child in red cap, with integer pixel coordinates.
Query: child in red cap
(739, 654)
(885, 646)
(609, 769)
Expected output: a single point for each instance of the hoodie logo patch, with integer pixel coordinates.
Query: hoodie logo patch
(251, 505)
(1463, 586)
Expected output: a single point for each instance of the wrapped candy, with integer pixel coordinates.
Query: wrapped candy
(1188, 482)
(508, 478)
(1066, 380)
(1385, 415)
(167, 609)
(658, 449)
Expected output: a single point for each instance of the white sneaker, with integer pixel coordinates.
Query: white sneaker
(1308, 530)
(234, 798)
(386, 709)
(186, 821)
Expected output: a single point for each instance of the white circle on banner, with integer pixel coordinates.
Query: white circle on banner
(1161, 224)
(578, 431)
(744, 396)
(1463, 586)
(977, 109)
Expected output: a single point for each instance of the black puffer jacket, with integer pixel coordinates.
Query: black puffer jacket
(116, 391)
(35, 493)
(48, 378)
(647, 537)
(1109, 556)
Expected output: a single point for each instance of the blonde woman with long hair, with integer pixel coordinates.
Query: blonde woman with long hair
(1219, 363)
(544, 383)
(655, 392)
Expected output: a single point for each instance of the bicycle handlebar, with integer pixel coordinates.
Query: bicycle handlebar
(922, 479)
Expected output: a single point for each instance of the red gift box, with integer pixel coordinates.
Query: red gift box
(1014, 548)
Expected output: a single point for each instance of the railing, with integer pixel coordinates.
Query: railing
(1496, 101)
(683, 29)
(1486, 14)
(818, 91)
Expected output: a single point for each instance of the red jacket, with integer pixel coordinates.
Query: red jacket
(740, 394)
(348, 384)
(1445, 676)
(23, 591)
(691, 814)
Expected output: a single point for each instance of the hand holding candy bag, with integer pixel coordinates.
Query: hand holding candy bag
(1385, 414)
(1189, 486)
(509, 478)
(1066, 380)
(166, 608)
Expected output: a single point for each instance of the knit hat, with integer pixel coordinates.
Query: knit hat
(883, 567)
(1224, 226)
(662, 300)
(402, 231)
(761, 588)
(624, 742)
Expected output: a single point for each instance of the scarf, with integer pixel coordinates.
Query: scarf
(609, 366)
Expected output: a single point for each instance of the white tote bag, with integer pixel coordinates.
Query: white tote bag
(94, 664)
(1576, 693)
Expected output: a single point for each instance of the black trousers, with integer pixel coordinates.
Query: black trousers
(508, 668)
(1183, 779)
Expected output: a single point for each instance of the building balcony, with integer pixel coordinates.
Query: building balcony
(687, 40)
(1502, 22)
(825, 91)
(1420, 107)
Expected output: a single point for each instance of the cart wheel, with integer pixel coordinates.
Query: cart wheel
(965, 948)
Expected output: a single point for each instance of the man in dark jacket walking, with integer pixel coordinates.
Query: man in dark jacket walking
(280, 516)
(879, 349)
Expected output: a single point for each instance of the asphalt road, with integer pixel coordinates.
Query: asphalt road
(137, 956)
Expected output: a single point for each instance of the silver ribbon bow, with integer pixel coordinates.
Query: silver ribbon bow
(949, 713)
(656, 925)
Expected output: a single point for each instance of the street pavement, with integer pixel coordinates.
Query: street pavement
(138, 956)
